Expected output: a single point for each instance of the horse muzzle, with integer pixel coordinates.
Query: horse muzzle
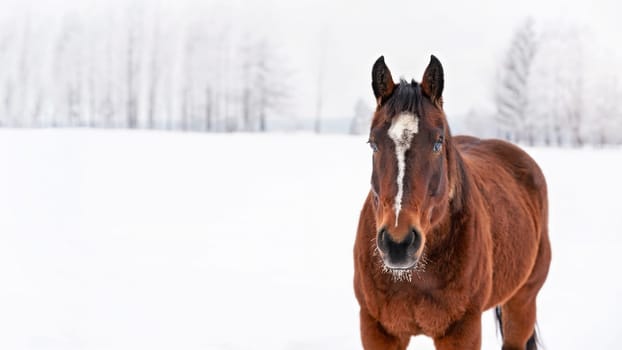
(401, 254)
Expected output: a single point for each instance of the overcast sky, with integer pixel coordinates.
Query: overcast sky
(345, 38)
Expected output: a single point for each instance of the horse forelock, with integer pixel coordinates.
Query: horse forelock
(406, 98)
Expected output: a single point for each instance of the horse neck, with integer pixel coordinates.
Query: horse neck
(458, 210)
(458, 178)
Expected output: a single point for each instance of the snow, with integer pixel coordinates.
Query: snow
(136, 240)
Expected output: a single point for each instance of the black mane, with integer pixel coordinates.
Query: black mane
(406, 97)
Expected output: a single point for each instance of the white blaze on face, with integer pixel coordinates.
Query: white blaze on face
(402, 130)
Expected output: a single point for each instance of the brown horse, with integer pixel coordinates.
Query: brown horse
(451, 227)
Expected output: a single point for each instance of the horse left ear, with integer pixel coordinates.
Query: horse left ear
(433, 81)
(381, 81)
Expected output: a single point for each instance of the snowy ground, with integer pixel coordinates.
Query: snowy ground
(137, 240)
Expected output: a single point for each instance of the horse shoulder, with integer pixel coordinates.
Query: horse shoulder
(513, 190)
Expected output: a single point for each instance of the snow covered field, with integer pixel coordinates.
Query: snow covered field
(143, 240)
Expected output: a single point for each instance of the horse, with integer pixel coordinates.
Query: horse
(451, 226)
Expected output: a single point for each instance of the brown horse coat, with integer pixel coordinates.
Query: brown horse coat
(484, 238)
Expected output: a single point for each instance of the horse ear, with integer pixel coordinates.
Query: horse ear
(433, 81)
(381, 80)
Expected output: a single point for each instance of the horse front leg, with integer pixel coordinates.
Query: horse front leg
(375, 337)
(464, 334)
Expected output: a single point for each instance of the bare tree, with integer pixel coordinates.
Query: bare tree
(154, 75)
(131, 66)
(270, 82)
(264, 89)
(555, 104)
(511, 89)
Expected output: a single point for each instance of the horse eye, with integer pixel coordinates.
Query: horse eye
(438, 145)
(373, 146)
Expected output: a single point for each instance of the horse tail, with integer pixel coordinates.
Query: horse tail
(499, 323)
(532, 343)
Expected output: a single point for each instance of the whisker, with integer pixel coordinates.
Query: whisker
(404, 275)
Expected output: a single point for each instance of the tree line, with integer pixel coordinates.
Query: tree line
(554, 89)
(135, 67)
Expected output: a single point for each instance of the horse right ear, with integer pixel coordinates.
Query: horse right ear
(433, 81)
(381, 81)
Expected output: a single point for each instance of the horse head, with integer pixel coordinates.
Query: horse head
(411, 183)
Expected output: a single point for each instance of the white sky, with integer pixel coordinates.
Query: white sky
(345, 37)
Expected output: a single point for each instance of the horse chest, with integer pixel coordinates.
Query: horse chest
(411, 311)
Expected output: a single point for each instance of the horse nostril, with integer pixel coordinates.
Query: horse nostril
(414, 240)
(382, 239)
(409, 239)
